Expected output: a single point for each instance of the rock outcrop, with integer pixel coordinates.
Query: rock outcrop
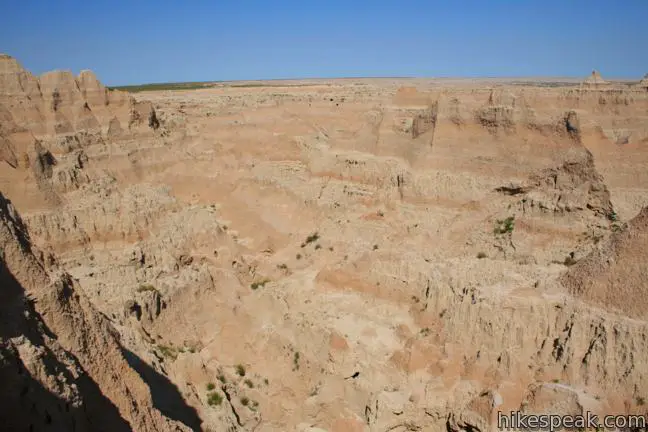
(60, 357)
(574, 186)
(595, 81)
(615, 275)
(59, 103)
(643, 84)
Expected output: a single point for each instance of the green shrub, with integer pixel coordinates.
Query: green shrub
(481, 255)
(245, 401)
(168, 351)
(375, 247)
(214, 399)
(298, 256)
(249, 383)
(282, 267)
(505, 226)
(240, 370)
(211, 386)
(640, 401)
(221, 378)
(296, 361)
(146, 287)
(259, 284)
(310, 239)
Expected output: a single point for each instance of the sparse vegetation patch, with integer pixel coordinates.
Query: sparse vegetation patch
(168, 351)
(505, 226)
(259, 284)
(163, 86)
(146, 288)
(214, 399)
(310, 239)
(240, 370)
(296, 361)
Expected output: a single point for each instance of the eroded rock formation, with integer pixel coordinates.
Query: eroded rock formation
(340, 255)
(61, 358)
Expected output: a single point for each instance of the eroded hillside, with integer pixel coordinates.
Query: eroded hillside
(342, 255)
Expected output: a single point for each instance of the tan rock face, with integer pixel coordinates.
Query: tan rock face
(60, 351)
(59, 103)
(615, 275)
(329, 255)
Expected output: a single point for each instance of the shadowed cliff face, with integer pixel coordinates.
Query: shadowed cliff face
(50, 390)
(50, 341)
(47, 390)
(328, 255)
(165, 395)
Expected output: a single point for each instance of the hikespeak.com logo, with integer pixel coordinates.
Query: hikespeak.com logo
(517, 421)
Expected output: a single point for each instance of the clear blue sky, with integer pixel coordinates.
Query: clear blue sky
(138, 41)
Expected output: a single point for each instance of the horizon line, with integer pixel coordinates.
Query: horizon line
(440, 77)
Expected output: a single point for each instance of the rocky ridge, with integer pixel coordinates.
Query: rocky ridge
(60, 355)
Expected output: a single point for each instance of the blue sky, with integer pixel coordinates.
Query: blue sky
(139, 41)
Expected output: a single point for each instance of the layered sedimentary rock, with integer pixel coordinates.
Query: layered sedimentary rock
(61, 362)
(348, 254)
(59, 103)
(595, 81)
(615, 275)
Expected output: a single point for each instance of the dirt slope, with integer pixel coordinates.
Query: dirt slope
(615, 276)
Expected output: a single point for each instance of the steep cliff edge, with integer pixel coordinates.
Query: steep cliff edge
(58, 355)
